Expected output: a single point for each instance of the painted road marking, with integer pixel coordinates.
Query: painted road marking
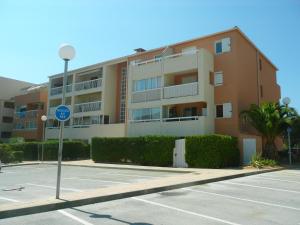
(52, 187)
(74, 217)
(185, 211)
(263, 187)
(99, 180)
(243, 199)
(282, 180)
(8, 199)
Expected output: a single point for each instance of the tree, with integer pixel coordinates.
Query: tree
(295, 134)
(271, 121)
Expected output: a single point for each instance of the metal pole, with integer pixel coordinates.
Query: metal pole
(290, 151)
(60, 145)
(43, 140)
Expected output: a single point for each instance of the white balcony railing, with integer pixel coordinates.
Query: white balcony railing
(181, 90)
(87, 107)
(164, 58)
(58, 90)
(27, 114)
(88, 84)
(173, 119)
(146, 96)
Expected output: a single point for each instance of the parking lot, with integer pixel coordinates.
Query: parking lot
(270, 198)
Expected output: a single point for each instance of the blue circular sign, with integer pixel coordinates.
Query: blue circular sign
(62, 113)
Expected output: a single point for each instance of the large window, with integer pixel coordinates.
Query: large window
(145, 114)
(146, 84)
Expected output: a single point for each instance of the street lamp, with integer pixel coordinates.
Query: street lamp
(66, 52)
(286, 101)
(44, 120)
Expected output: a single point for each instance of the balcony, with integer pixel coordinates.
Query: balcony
(181, 90)
(87, 107)
(85, 85)
(171, 63)
(58, 90)
(27, 114)
(146, 96)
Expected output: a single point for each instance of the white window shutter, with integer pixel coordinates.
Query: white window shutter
(218, 79)
(226, 45)
(227, 110)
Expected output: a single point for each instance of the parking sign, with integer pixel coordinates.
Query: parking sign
(62, 113)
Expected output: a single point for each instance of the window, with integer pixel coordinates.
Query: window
(190, 112)
(7, 119)
(146, 84)
(224, 110)
(218, 79)
(9, 105)
(5, 134)
(260, 65)
(219, 111)
(222, 46)
(157, 57)
(145, 114)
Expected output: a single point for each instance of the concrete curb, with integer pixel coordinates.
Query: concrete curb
(20, 164)
(86, 198)
(139, 168)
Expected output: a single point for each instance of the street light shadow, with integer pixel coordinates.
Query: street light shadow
(106, 216)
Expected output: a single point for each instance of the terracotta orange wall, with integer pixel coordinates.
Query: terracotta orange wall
(181, 107)
(178, 78)
(41, 96)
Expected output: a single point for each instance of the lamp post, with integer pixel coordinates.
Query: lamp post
(66, 52)
(286, 101)
(44, 120)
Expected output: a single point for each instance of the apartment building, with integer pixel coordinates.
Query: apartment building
(198, 86)
(30, 105)
(8, 89)
(96, 96)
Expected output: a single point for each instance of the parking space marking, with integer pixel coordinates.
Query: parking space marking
(74, 217)
(100, 180)
(52, 187)
(243, 199)
(263, 187)
(185, 211)
(8, 199)
(282, 180)
(132, 175)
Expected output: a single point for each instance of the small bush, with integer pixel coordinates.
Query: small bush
(258, 161)
(212, 151)
(6, 154)
(18, 156)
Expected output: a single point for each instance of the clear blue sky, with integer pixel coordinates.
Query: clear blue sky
(31, 32)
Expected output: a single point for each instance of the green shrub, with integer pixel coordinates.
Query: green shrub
(148, 150)
(18, 156)
(258, 161)
(6, 154)
(212, 151)
(72, 150)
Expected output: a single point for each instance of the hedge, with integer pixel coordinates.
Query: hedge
(212, 151)
(72, 150)
(147, 150)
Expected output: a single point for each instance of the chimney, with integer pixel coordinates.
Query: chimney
(139, 50)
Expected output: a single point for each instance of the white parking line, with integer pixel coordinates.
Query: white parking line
(263, 187)
(74, 217)
(185, 211)
(243, 199)
(282, 180)
(99, 180)
(8, 199)
(52, 187)
(132, 175)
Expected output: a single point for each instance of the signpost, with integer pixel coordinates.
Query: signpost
(62, 113)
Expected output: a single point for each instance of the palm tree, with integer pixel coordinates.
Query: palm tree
(270, 120)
